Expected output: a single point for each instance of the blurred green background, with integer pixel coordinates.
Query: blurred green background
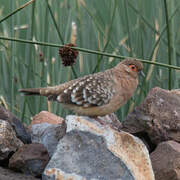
(135, 28)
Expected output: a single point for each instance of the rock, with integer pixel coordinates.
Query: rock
(7, 174)
(110, 120)
(9, 143)
(48, 135)
(30, 159)
(46, 117)
(19, 128)
(47, 129)
(158, 117)
(166, 161)
(90, 150)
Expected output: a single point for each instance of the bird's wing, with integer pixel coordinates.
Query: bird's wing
(92, 90)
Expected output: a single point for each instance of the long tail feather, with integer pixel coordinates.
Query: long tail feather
(31, 91)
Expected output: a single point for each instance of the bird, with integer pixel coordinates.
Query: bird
(97, 94)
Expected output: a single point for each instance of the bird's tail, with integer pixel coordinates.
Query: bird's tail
(30, 91)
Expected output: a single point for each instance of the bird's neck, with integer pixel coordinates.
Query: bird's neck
(126, 80)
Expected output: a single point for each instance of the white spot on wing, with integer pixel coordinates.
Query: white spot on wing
(59, 98)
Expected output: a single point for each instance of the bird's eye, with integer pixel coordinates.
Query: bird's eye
(133, 68)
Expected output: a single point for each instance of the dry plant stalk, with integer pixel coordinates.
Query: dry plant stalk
(150, 70)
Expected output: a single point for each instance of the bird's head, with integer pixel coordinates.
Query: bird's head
(133, 67)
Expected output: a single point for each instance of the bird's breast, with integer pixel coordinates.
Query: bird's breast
(125, 86)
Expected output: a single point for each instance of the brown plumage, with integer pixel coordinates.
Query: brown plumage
(95, 94)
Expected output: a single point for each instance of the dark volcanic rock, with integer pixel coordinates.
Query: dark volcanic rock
(20, 130)
(30, 159)
(9, 143)
(7, 174)
(158, 117)
(166, 161)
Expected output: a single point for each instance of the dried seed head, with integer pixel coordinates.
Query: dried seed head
(68, 54)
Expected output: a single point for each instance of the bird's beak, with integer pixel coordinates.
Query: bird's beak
(141, 73)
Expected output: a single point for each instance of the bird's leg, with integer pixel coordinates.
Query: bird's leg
(100, 119)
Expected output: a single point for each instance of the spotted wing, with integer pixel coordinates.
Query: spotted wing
(92, 90)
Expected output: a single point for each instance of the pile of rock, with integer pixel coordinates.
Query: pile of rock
(157, 123)
(103, 148)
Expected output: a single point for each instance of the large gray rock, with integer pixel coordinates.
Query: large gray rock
(9, 143)
(90, 150)
(86, 155)
(158, 116)
(166, 161)
(47, 129)
(17, 125)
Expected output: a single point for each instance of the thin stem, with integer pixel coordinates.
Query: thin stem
(74, 72)
(169, 45)
(54, 21)
(18, 9)
(128, 28)
(59, 34)
(109, 35)
(163, 30)
(12, 72)
(90, 51)
(29, 50)
(151, 26)
(96, 23)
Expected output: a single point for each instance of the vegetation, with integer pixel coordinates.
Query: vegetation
(104, 31)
